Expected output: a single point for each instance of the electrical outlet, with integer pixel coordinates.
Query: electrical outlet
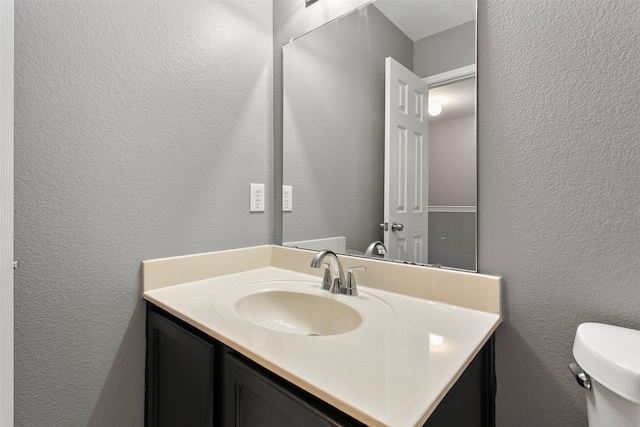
(287, 198)
(257, 198)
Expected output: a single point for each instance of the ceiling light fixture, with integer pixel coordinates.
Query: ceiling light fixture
(434, 108)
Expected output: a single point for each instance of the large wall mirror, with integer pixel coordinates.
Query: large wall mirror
(379, 134)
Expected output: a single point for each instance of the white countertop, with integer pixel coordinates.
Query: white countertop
(389, 372)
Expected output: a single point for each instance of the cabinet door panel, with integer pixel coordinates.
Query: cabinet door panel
(471, 400)
(258, 401)
(179, 376)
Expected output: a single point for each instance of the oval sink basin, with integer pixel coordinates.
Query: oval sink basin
(302, 308)
(298, 313)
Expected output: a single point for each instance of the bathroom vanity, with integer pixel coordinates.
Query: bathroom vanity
(421, 354)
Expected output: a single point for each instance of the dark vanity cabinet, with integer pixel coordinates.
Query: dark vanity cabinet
(257, 398)
(180, 374)
(194, 380)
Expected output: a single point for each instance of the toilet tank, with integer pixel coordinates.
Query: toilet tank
(610, 355)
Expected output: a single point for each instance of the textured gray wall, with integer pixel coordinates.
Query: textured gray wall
(559, 188)
(6, 213)
(139, 126)
(446, 50)
(334, 127)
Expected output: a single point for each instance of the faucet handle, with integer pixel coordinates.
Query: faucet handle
(351, 288)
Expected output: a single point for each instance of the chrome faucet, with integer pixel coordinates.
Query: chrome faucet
(333, 275)
(378, 246)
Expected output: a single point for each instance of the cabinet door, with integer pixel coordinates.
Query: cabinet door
(180, 375)
(471, 400)
(257, 399)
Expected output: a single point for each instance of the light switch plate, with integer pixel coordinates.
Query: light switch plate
(257, 198)
(287, 198)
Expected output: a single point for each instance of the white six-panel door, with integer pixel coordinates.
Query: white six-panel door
(406, 151)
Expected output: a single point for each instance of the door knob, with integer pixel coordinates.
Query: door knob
(384, 226)
(397, 227)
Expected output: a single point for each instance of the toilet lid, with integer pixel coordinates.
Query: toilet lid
(610, 355)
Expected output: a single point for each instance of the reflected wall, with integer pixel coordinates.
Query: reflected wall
(333, 135)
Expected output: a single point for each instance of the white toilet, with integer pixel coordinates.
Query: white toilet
(610, 360)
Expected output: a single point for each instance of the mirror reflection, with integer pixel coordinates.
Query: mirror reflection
(370, 171)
